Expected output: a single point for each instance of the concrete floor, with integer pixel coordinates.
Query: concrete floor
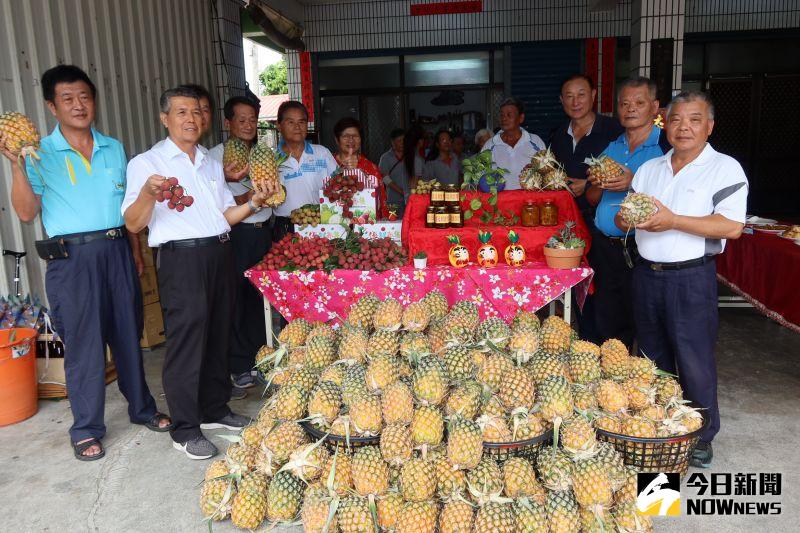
(143, 485)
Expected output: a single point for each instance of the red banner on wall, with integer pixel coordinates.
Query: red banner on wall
(592, 62)
(306, 84)
(446, 8)
(608, 75)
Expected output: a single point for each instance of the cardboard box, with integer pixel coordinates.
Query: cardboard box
(50, 371)
(364, 209)
(149, 282)
(148, 255)
(329, 231)
(381, 230)
(153, 334)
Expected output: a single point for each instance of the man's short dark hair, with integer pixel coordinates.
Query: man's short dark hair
(183, 91)
(201, 92)
(291, 104)
(515, 102)
(347, 122)
(395, 133)
(574, 77)
(232, 102)
(639, 81)
(63, 74)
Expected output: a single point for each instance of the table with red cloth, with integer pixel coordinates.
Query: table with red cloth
(765, 270)
(499, 291)
(416, 237)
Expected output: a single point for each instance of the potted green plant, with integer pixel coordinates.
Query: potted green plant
(420, 260)
(564, 249)
(480, 174)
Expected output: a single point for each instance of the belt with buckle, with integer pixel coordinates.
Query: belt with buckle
(256, 224)
(89, 236)
(678, 265)
(195, 243)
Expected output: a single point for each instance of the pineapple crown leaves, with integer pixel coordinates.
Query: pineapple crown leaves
(453, 239)
(513, 236)
(484, 236)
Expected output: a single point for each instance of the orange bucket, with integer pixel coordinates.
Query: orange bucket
(18, 399)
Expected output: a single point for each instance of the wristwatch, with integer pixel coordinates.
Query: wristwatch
(252, 207)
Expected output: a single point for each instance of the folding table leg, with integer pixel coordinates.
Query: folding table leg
(568, 306)
(268, 321)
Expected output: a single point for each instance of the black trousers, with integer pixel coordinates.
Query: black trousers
(676, 325)
(613, 297)
(250, 243)
(95, 300)
(197, 288)
(283, 226)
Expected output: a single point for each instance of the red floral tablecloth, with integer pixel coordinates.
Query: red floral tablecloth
(499, 291)
(416, 237)
(764, 269)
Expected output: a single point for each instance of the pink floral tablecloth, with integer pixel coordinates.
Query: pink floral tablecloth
(498, 291)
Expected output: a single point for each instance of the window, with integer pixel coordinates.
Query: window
(359, 73)
(462, 68)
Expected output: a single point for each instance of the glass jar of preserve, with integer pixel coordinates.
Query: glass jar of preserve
(450, 195)
(530, 214)
(456, 220)
(549, 214)
(442, 218)
(437, 195)
(430, 217)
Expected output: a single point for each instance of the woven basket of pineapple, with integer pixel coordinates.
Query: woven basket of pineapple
(344, 443)
(527, 449)
(659, 454)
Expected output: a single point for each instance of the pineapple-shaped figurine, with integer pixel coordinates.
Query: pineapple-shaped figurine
(514, 252)
(458, 254)
(487, 253)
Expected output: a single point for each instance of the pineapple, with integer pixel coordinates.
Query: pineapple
(363, 311)
(525, 319)
(283, 440)
(494, 333)
(388, 315)
(216, 497)
(524, 342)
(383, 342)
(554, 395)
(354, 383)
(519, 478)
(307, 461)
(591, 483)
(490, 373)
(496, 517)
(216, 469)
(638, 426)
(611, 396)
(667, 389)
(464, 314)
(544, 364)
(418, 517)
(615, 359)
(604, 169)
(389, 509)
(416, 317)
(531, 516)
(637, 208)
(555, 469)
(642, 370)
(459, 362)
(465, 400)
(342, 473)
(525, 425)
(430, 381)
(397, 404)
(456, 517)
(464, 443)
(366, 414)
(485, 481)
(251, 437)
(612, 460)
(627, 519)
(382, 370)
(578, 437)
(554, 339)
(316, 508)
(334, 373)
(450, 484)
(302, 377)
(264, 170)
(517, 389)
(320, 352)
(607, 422)
(396, 444)
(370, 472)
(249, 509)
(427, 427)
(22, 137)
(584, 367)
(294, 334)
(239, 459)
(639, 397)
(437, 305)
(236, 154)
(414, 345)
(438, 335)
(354, 343)
(284, 497)
(563, 512)
(584, 398)
(354, 515)
(326, 399)
(418, 480)
(290, 402)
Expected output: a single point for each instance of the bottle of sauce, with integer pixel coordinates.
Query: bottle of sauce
(549, 213)
(530, 214)
(451, 195)
(442, 218)
(456, 220)
(437, 196)
(430, 217)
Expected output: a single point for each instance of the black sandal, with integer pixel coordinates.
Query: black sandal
(83, 446)
(153, 423)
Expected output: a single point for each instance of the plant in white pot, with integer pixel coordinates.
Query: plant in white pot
(420, 260)
(564, 249)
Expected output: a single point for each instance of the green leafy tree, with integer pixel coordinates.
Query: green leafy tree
(273, 79)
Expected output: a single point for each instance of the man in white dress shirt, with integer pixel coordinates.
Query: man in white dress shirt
(701, 197)
(195, 270)
(513, 147)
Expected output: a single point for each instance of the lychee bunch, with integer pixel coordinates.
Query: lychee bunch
(174, 194)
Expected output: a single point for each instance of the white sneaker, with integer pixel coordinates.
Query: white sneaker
(198, 448)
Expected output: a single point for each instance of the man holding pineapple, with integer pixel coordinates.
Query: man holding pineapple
(196, 275)
(691, 200)
(91, 280)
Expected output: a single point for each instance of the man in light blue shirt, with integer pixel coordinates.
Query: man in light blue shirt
(92, 283)
(613, 253)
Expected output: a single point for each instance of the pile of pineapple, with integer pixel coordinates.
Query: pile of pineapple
(543, 173)
(430, 384)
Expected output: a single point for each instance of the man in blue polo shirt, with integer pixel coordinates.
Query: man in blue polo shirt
(91, 281)
(613, 253)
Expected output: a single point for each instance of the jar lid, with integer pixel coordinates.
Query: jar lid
(529, 202)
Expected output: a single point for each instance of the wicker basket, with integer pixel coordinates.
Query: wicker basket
(668, 454)
(527, 449)
(334, 442)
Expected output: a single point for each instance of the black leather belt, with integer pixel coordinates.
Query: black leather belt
(679, 265)
(195, 243)
(89, 236)
(256, 224)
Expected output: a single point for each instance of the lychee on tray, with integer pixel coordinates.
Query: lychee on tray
(421, 392)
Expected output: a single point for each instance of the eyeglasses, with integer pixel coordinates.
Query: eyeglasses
(350, 136)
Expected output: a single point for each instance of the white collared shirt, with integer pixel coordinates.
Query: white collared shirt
(513, 159)
(203, 180)
(712, 183)
(237, 188)
(572, 134)
(303, 179)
